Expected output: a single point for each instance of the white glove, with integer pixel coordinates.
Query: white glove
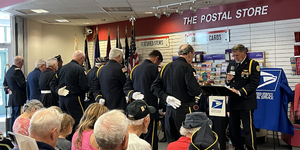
(127, 99)
(137, 96)
(63, 91)
(174, 102)
(101, 101)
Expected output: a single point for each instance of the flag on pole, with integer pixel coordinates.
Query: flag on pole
(134, 58)
(126, 49)
(97, 48)
(75, 43)
(118, 42)
(108, 44)
(86, 64)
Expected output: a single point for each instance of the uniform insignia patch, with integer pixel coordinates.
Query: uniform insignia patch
(258, 68)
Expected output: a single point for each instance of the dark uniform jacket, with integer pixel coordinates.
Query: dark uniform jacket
(140, 80)
(246, 80)
(177, 79)
(32, 87)
(91, 75)
(44, 84)
(73, 76)
(111, 80)
(15, 81)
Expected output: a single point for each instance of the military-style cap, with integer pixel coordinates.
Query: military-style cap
(195, 119)
(58, 58)
(138, 109)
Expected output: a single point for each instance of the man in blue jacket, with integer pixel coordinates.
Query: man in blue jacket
(32, 88)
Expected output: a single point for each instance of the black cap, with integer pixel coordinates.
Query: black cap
(204, 138)
(58, 57)
(138, 109)
(195, 119)
(99, 60)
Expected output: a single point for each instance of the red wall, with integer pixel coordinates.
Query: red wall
(276, 10)
(5, 3)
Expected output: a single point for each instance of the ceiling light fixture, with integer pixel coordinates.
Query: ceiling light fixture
(40, 11)
(167, 12)
(62, 20)
(157, 13)
(178, 10)
(193, 8)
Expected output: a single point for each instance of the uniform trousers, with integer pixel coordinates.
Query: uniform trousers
(72, 105)
(174, 119)
(15, 113)
(248, 126)
(151, 136)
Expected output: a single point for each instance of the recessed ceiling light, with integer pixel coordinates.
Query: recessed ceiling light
(103, 19)
(86, 23)
(39, 11)
(149, 12)
(124, 16)
(62, 20)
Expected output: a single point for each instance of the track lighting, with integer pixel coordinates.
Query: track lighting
(192, 7)
(167, 12)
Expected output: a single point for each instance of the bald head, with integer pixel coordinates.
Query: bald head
(79, 56)
(19, 61)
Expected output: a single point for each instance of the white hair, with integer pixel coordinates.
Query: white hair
(45, 120)
(136, 122)
(110, 129)
(30, 105)
(184, 131)
(51, 62)
(115, 52)
(39, 63)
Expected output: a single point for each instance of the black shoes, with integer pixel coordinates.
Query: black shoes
(164, 139)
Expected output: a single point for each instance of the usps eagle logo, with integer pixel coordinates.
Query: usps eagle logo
(217, 103)
(268, 80)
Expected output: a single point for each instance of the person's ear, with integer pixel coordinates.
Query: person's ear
(124, 144)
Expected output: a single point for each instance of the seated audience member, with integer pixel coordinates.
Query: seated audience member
(84, 137)
(65, 129)
(21, 124)
(193, 122)
(204, 138)
(56, 108)
(138, 116)
(111, 131)
(5, 144)
(44, 128)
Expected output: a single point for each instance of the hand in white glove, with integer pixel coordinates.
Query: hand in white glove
(127, 99)
(137, 96)
(63, 91)
(102, 101)
(174, 102)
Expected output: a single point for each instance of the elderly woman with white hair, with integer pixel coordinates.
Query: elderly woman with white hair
(192, 123)
(21, 124)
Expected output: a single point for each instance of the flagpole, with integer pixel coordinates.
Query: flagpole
(132, 19)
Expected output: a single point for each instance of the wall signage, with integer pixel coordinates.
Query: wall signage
(153, 42)
(219, 36)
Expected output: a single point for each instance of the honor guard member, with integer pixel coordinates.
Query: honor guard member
(59, 61)
(108, 86)
(15, 85)
(32, 88)
(91, 74)
(71, 85)
(48, 97)
(177, 85)
(139, 83)
(243, 75)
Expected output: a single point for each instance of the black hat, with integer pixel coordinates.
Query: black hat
(99, 60)
(138, 109)
(204, 138)
(58, 58)
(195, 119)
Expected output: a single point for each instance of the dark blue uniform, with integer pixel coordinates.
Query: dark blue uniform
(109, 85)
(15, 81)
(32, 87)
(176, 79)
(71, 75)
(91, 75)
(246, 80)
(48, 97)
(140, 80)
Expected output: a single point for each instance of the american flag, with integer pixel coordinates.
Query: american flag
(97, 47)
(134, 57)
(108, 44)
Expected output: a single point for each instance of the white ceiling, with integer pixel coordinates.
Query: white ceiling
(91, 12)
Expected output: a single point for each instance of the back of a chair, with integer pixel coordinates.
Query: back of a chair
(12, 137)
